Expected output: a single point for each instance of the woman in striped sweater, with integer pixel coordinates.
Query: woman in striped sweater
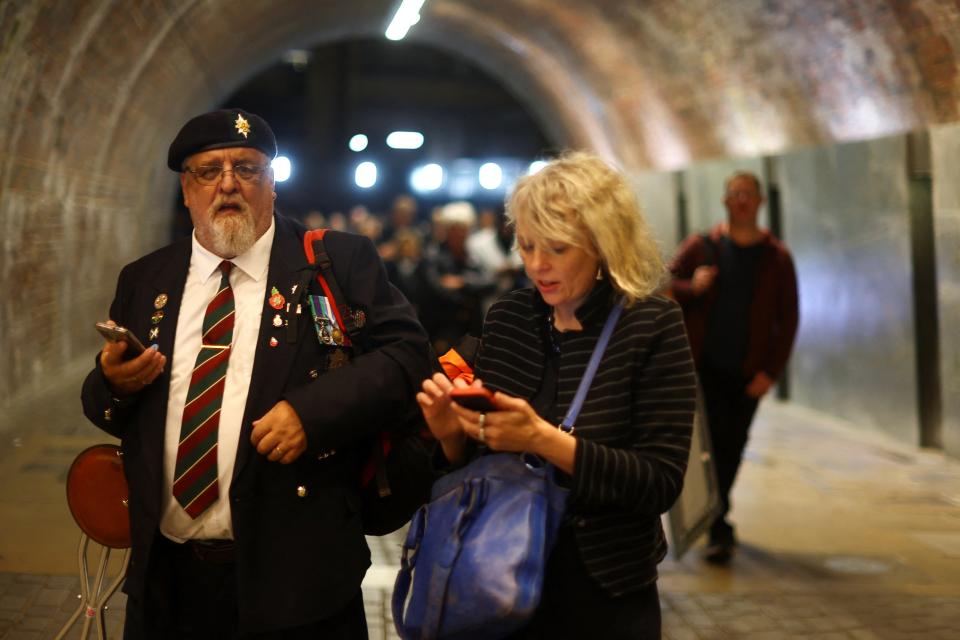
(584, 245)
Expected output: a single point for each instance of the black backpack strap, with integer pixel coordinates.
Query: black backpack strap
(383, 482)
(317, 256)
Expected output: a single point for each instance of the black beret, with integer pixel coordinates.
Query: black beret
(219, 130)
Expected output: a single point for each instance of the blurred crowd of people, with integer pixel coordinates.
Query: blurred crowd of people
(451, 265)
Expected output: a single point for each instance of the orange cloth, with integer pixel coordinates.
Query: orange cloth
(456, 367)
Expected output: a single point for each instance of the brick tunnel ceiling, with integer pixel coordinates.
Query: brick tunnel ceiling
(653, 84)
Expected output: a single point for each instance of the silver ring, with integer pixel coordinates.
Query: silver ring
(482, 421)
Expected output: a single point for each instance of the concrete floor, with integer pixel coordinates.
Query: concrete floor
(844, 534)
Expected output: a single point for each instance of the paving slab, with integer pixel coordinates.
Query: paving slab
(843, 533)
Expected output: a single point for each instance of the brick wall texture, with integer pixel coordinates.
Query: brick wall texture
(93, 90)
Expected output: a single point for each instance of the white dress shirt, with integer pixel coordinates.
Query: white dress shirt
(248, 279)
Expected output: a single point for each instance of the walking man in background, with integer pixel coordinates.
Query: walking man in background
(738, 289)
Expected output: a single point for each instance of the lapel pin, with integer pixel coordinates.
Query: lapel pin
(273, 341)
(156, 317)
(359, 318)
(160, 301)
(154, 332)
(293, 290)
(337, 359)
(277, 321)
(276, 299)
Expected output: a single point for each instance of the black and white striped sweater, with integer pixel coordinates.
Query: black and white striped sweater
(633, 433)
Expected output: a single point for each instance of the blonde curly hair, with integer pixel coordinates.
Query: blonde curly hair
(579, 199)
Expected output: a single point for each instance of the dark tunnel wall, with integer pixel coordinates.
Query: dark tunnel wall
(93, 90)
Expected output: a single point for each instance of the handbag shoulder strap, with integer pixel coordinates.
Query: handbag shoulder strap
(587, 379)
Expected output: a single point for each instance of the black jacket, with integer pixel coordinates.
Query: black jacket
(318, 536)
(633, 432)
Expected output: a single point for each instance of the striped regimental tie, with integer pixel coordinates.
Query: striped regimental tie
(195, 478)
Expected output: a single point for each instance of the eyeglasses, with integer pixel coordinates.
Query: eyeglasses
(210, 174)
(737, 194)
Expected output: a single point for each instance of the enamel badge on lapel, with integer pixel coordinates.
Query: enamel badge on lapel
(158, 303)
(276, 299)
(273, 341)
(277, 320)
(337, 359)
(359, 318)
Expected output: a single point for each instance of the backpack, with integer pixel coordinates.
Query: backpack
(397, 476)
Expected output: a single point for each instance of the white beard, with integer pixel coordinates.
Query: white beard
(232, 235)
(228, 235)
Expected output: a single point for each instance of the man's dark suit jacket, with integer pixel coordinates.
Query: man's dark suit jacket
(299, 558)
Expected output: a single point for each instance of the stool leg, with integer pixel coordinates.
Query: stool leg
(82, 561)
(93, 602)
(95, 608)
(103, 598)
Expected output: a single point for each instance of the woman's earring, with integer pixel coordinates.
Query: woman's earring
(599, 273)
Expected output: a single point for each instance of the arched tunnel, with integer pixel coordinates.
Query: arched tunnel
(849, 112)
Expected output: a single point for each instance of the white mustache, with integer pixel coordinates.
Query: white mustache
(221, 202)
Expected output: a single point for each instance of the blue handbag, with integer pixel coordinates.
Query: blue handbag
(473, 561)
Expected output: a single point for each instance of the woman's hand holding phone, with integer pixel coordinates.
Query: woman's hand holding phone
(440, 415)
(506, 423)
(475, 398)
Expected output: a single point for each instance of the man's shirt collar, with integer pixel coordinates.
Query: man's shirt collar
(254, 262)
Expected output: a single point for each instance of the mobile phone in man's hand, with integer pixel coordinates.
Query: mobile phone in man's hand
(116, 333)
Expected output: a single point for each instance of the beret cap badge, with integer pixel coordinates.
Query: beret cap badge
(243, 127)
(221, 129)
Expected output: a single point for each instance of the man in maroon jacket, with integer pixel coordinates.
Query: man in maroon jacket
(738, 290)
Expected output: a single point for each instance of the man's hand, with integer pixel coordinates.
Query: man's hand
(703, 278)
(759, 386)
(279, 434)
(127, 377)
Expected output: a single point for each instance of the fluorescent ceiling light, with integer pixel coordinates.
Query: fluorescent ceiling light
(405, 140)
(490, 176)
(358, 142)
(281, 168)
(366, 175)
(406, 16)
(427, 178)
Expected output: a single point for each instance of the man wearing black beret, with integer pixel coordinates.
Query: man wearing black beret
(240, 449)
